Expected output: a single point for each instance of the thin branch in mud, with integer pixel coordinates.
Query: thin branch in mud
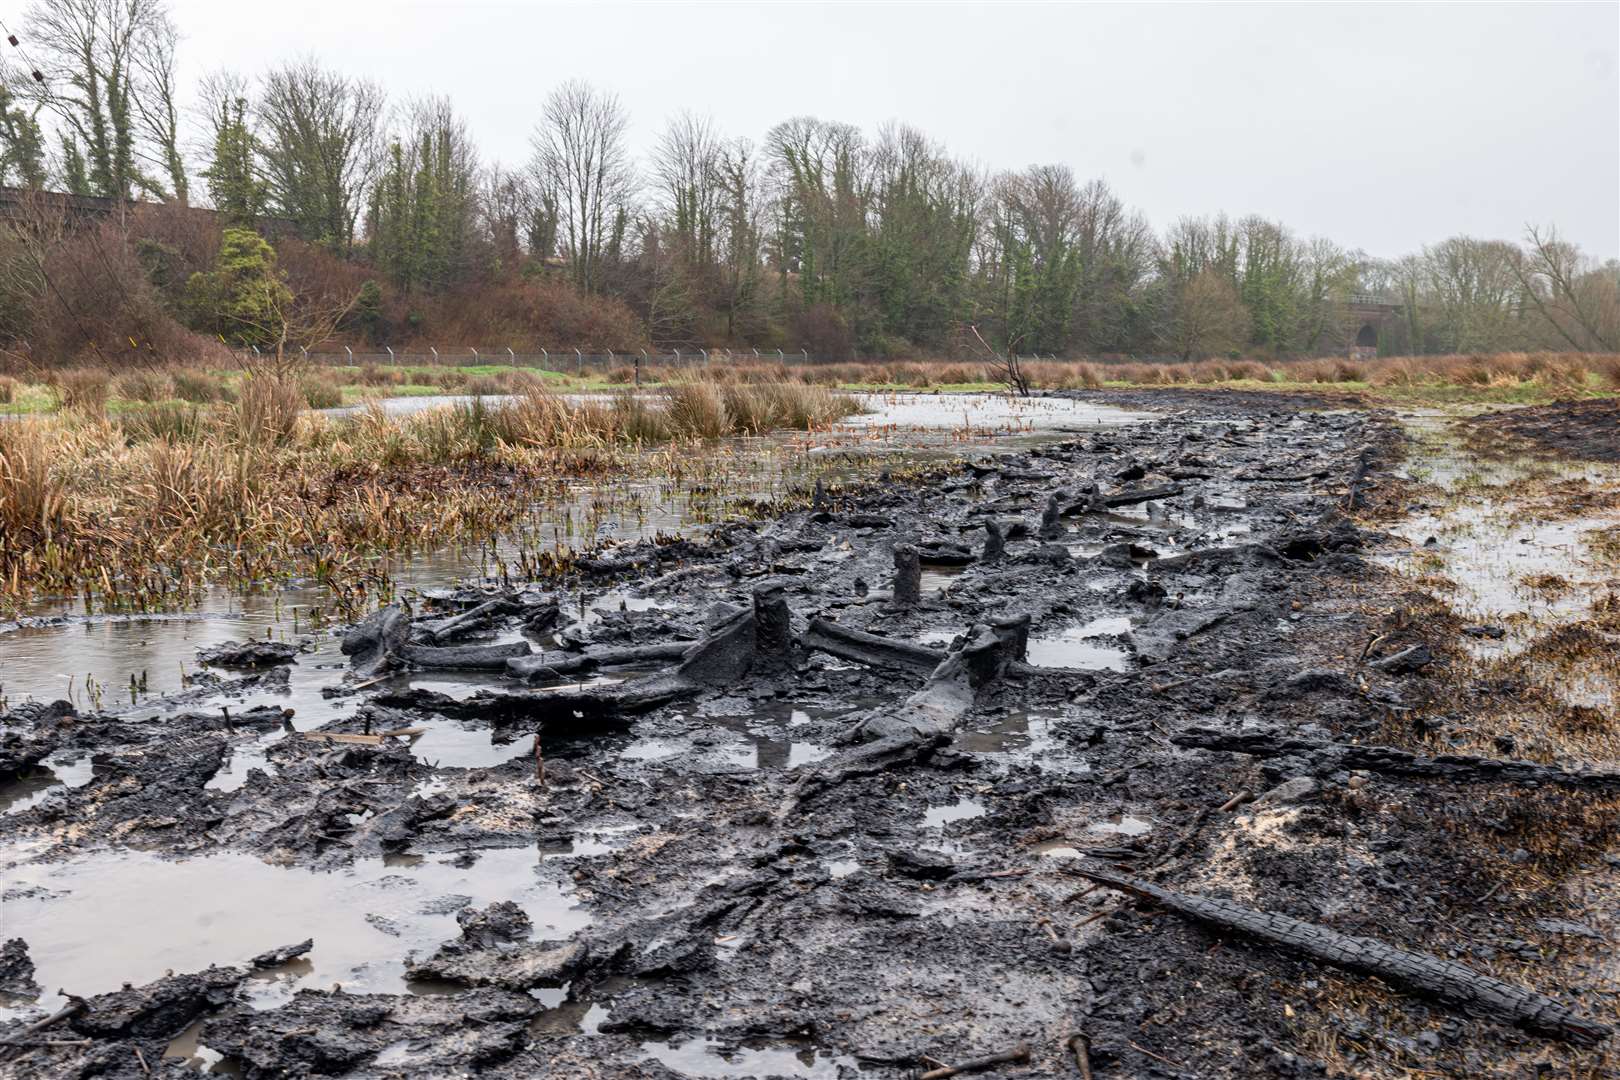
(1236, 801)
(1151, 1054)
(1016, 1056)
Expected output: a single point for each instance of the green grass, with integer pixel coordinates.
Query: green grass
(37, 399)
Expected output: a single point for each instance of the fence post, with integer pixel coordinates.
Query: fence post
(705, 353)
(351, 355)
(756, 354)
(610, 359)
(547, 356)
(806, 354)
(475, 356)
(780, 359)
(390, 349)
(677, 356)
(435, 353)
(512, 355)
(639, 361)
(579, 362)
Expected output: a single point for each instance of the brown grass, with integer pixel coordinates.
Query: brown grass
(82, 390)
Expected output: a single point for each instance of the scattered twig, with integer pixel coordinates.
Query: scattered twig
(1237, 800)
(1080, 1046)
(140, 1057)
(1151, 1054)
(1017, 1055)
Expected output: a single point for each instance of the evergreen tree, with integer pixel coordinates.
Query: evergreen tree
(75, 172)
(233, 177)
(243, 299)
(22, 144)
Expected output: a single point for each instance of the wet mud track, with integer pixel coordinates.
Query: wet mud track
(819, 796)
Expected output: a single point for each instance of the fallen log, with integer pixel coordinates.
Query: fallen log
(870, 649)
(1128, 497)
(440, 630)
(975, 661)
(1418, 972)
(1326, 757)
(462, 657)
(554, 667)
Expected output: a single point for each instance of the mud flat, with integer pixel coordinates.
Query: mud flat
(1156, 751)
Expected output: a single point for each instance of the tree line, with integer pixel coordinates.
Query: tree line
(818, 235)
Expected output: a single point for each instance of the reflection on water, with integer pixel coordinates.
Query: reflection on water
(104, 918)
(94, 662)
(1078, 647)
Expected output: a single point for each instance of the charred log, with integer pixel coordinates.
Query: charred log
(1326, 757)
(1419, 972)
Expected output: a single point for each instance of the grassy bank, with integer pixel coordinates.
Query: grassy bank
(1500, 378)
(142, 508)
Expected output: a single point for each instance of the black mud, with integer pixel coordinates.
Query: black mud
(1583, 430)
(787, 861)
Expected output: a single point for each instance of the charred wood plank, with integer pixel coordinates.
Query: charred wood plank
(463, 657)
(870, 649)
(1422, 973)
(1455, 768)
(556, 666)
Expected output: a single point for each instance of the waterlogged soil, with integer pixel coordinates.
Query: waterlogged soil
(700, 875)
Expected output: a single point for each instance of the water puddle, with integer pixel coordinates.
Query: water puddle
(1078, 647)
(937, 817)
(714, 1060)
(106, 918)
(448, 744)
(61, 770)
(1122, 825)
(1026, 738)
(1492, 550)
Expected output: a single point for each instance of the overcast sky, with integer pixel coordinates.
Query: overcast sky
(1385, 127)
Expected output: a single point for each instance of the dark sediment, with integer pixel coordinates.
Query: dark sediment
(902, 891)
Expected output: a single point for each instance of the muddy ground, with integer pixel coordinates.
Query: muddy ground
(791, 851)
(1588, 430)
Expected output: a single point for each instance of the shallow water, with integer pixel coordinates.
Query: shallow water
(92, 662)
(104, 918)
(1079, 647)
(1483, 547)
(709, 1058)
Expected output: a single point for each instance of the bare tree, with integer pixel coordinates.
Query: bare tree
(320, 139)
(1005, 366)
(109, 79)
(686, 170)
(156, 104)
(1580, 302)
(580, 157)
(1207, 318)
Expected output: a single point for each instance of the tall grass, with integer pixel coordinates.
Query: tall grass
(9, 388)
(83, 390)
(267, 408)
(33, 496)
(144, 386)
